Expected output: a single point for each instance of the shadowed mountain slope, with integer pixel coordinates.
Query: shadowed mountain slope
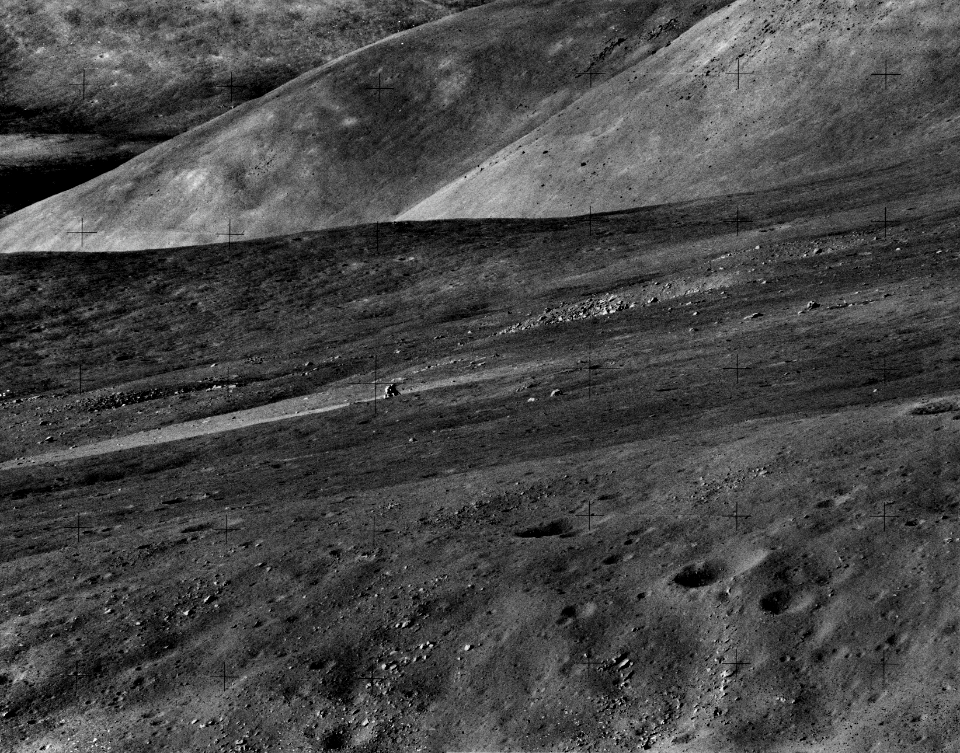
(326, 149)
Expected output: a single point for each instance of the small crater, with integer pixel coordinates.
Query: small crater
(337, 739)
(776, 602)
(553, 528)
(613, 559)
(567, 615)
(698, 575)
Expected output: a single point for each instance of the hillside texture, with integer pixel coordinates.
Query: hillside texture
(154, 68)
(493, 112)
(329, 149)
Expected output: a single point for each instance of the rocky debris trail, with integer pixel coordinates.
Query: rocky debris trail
(571, 312)
(655, 291)
(124, 397)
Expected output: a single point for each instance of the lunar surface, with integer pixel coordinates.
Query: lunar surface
(446, 399)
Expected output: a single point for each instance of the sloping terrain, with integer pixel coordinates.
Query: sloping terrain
(333, 147)
(734, 528)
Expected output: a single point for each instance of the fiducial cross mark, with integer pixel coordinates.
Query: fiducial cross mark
(230, 233)
(884, 516)
(376, 382)
(739, 73)
(737, 221)
(76, 675)
(590, 73)
(223, 677)
(591, 365)
(372, 524)
(371, 678)
(379, 88)
(736, 663)
(736, 515)
(226, 534)
(590, 663)
(231, 87)
(78, 528)
(736, 368)
(883, 664)
(886, 222)
(83, 85)
(886, 75)
(82, 232)
(589, 514)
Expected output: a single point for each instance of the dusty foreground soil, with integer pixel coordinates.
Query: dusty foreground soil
(734, 528)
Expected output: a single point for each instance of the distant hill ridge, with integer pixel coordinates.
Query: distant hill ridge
(538, 109)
